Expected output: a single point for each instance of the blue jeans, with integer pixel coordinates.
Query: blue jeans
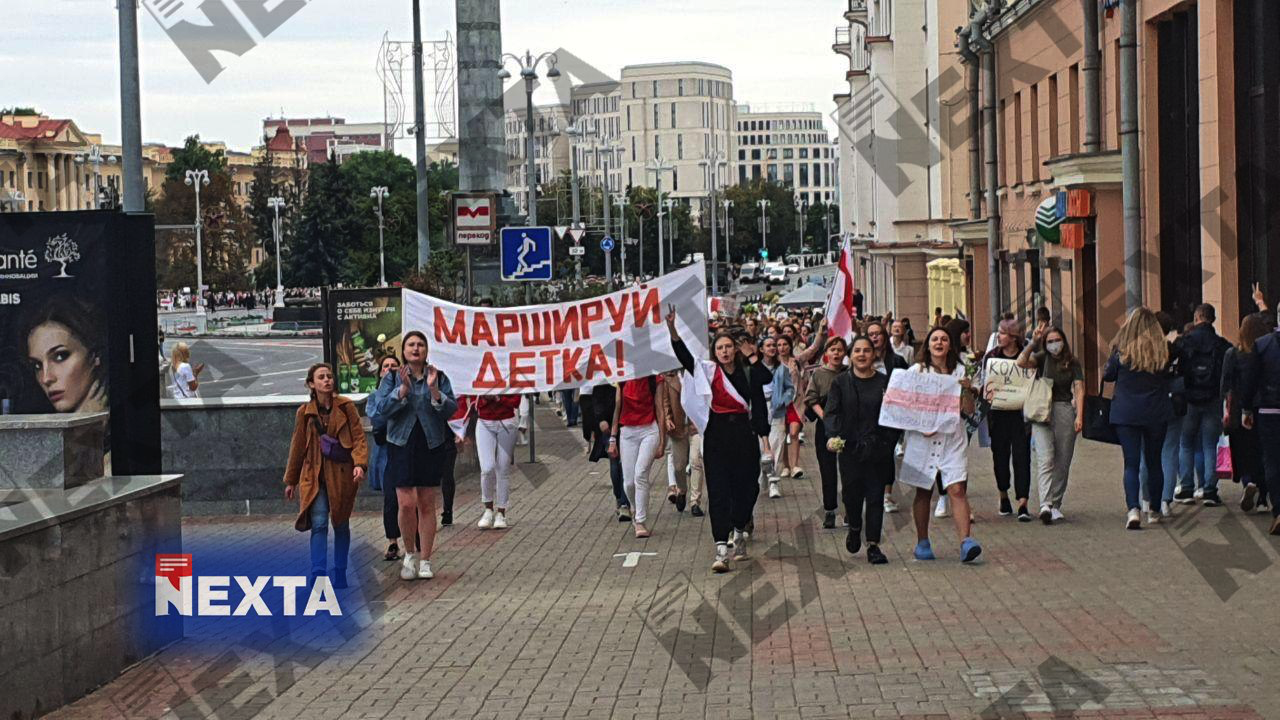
(320, 536)
(570, 407)
(1138, 443)
(1201, 429)
(1168, 460)
(615, 475)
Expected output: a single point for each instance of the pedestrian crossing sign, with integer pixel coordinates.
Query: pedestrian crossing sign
(526, 253)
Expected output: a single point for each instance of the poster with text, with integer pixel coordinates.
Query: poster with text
(362, 328)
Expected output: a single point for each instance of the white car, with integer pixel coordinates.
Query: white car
(776, 275)
(793, 269)
(747, 272)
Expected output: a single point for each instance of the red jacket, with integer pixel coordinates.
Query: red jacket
(497, 407)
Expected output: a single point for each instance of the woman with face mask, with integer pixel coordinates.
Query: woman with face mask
(1055, 440)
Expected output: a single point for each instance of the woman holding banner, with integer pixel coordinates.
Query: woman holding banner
(941, 455)
(418, 402)
(638, 440)
(1010, 433)
(496, 435)
(718, 396)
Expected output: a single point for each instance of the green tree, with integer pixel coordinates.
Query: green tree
(361, 173)
(744, 243)
(327, 229)
(227, 233)
(262, 217)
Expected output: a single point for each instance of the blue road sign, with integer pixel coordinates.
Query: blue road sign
(607, 244)
(526, 253)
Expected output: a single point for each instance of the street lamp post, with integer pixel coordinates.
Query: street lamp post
(94, 157)
(195, 179)
(378, 193)
(728, 231)
(576, 133)
(276, 203)
(712, 164)
(671, 229)
(529, 73)
(621, 201)
(764, 227)
(608, 148)
(657, 166)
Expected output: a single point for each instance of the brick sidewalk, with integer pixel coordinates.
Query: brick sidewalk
(1083, 619)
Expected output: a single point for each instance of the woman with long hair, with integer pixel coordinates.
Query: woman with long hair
(638, 440)
(1050, 355)
(186, 383)
(1141, 407)
(940, 456)
(418, 402)
(390, 365)
(771, 446)
(815, 400)
(1010, 434)
(718, 396)
(788, 456)
(1246, 449)
(496, 434)
(325, 474)
(864, 448)
(886, 360)
(66, 342)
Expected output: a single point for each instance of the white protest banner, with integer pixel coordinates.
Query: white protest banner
(1006, 384)
(924, 402)
(538, 348)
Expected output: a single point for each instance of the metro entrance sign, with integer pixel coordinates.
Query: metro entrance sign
(475, 217)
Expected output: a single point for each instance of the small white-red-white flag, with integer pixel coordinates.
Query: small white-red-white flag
(842, 316)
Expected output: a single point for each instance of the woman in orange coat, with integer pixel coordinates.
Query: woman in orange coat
(327, 459)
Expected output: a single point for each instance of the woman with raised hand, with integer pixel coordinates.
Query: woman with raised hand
(1050, 355)
(419, 402)
(941, 456)
(718, 396)
(328, 456)
(864, 448)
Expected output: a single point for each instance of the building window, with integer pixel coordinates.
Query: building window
(655, 88)
(804, 153)
(628, 118)
(742, 174)
(1017, 138)
(656, 110)
(788, 174)
(1035, 133)
(680, 147)
(680, 87)
(755, 172)
(1073, 106)
(773, 172)
(673, 115)
(742, 155)
(773, 153)
(633, 149)
(657, 146)
(755, 154)
(817, 174)
(787, 154)
(804, 174)
(675, 179)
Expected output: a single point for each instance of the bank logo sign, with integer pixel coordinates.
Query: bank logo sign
(179, 589)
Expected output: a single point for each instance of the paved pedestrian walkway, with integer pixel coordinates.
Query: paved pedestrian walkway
(559, 617)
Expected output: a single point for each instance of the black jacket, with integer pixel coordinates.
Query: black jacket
(1260, 375)
(844, 414)
(1201, 346)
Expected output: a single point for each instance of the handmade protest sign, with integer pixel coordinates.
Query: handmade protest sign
(607, 339)
(923, 402)
(1007, 384)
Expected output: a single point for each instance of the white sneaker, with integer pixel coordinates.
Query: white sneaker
(500, 521)
(1198, 494)
(424, 570)
(721, 564)
(486, 520)
(409, 567)
(941, 510)
(774, 490)
(740, 545)
(1166, 509)
(889, 505)
(1153, 518)
(1057, 515)
(1134, 520)
(524, 438)
(797, 473)
(1146, 506)
(786, 472)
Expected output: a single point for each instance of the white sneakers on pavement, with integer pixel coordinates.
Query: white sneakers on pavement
(409, 566)
(486, 520)
(500, 520)
(424, 570)
(774, 490)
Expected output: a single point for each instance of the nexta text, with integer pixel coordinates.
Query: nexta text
(210, 595)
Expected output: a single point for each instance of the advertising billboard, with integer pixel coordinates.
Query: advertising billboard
(362, 326)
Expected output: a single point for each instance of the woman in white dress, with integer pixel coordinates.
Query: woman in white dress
(939, 456)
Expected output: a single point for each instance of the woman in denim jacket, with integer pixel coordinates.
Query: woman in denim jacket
(416, 403)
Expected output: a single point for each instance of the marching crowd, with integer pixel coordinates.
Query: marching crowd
(729, 428)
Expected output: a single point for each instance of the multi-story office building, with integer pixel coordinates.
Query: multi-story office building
(789, 146)
(597, 109)
(679, 114)
(550, 151)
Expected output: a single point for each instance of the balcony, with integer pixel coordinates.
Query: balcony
(841, 45)
(880, 21)
(857, 12)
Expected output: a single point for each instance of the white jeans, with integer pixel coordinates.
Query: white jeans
(496, 446)
(636, 447)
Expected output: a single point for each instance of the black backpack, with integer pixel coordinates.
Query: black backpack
(1203, 371)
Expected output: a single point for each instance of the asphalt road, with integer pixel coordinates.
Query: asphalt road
(253, 368)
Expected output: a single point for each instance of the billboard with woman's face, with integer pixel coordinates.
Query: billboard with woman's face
(52, 294)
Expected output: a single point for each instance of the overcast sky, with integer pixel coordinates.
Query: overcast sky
(61, 57)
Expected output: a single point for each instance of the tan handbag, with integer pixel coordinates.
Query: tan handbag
(1039, 404)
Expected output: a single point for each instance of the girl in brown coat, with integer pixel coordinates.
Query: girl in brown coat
(326, 485)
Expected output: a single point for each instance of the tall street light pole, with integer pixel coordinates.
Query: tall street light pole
(576, 132)
(764, 228)
(728, 232)
(712, 164)
(378, 193)
(195, 179)
(276, 203)
(420, 140)
(621, 201)
(671, 229)
(657, 166)
(608, 148)
(130, 109)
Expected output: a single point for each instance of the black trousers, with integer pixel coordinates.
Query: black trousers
(1246, 458)
(1011, 439)
(447, 484)
(863, 493)
(826, 466)
(731, 465)
(390, 508)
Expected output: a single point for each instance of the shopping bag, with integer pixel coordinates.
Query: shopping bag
(1039, 402)
(1225, 470)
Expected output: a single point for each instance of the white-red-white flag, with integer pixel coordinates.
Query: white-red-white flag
(841, 314)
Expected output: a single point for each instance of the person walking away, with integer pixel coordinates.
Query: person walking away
(603, 401)
(496, 434)
(638, 440)
(459, 425)
(1010, 435)
(569, 402)
(390, 365)
(677, 426)
(1200, 354)
(1050, 355)
(419, 403)
(186, 383)
(718, 396)
(864, 449)
(815, 399)
(1141, 407)
(940, 457)
(328, 456)
(1246, 451)
(1260, 405)
(1172, 435)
